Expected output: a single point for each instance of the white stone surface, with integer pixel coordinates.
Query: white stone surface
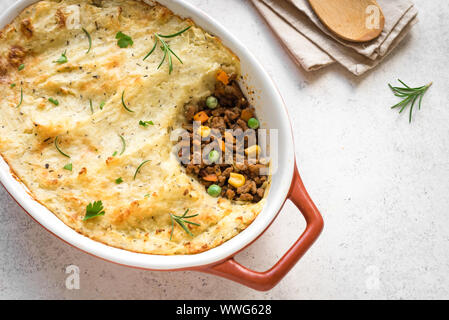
(381, 184)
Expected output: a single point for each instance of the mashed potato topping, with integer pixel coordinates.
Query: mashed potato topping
(53, 86)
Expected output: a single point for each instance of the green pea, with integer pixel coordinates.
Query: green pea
(253, 123)
(211, 102)
(214, 190)
(213, 156)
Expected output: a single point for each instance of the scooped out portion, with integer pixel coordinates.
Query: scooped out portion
(225, 122)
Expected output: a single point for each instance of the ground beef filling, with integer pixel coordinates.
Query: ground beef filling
(232, 112)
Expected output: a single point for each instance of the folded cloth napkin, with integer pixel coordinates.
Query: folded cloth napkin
(313, 46)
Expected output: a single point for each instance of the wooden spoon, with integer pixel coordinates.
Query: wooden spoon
(352, 20)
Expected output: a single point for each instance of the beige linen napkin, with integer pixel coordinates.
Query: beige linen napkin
(313, 46)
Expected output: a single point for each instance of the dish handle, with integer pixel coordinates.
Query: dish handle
(264, 281)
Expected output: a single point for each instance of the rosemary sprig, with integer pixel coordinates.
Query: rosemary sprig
(181, 220)
(21, 98)
(124, 104)
(138, 168)
(59, 149)
(165, 47)
(409, 95)
(89, 38)
(123, 144)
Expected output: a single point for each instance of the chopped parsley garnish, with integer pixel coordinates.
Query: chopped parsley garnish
(21, 98)
(21, 67)
(138, 168)
(68, 166)
(54, 101)
(124, 104)
(94, 209)
(119, 180)
(13, 85)
(102, 104)
(62, 59)
(123, 40)
(114, 154)
(146, 123)
(89, 39)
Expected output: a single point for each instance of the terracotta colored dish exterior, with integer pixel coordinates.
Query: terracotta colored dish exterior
(219, 261)
(263, 281)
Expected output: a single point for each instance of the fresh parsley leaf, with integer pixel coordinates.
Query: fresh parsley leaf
(94, 209)
(54, 101)
(62, 59)
(13, 85)
(123, 40)
(146, 123)
(119, 180)
(114, 154)
(21, 67)
(102, 104)
(68, 166)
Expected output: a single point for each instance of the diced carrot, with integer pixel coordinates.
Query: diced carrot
(222, 145)
(246, 114)
(223, 77)
(201, 116)
(210, 178)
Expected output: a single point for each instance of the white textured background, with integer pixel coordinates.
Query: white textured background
(382, 186)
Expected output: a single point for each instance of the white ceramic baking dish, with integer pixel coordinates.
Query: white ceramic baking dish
(286, 183)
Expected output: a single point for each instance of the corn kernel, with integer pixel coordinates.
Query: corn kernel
(236, 180)
(254, 150)
(201, 117)
(204, 131)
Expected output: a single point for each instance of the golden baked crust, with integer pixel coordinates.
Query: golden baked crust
(137, 211)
